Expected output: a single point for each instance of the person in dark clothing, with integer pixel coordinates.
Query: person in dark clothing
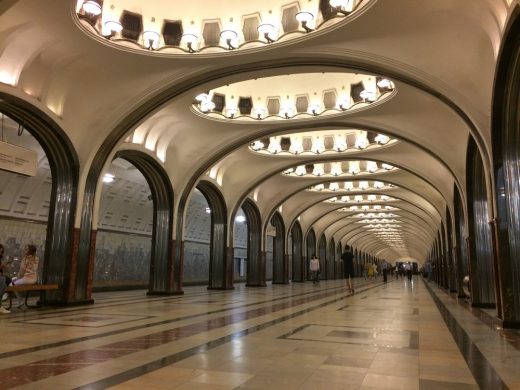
(348, 266)
(384, 267)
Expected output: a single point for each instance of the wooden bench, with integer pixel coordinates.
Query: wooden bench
(28, 288)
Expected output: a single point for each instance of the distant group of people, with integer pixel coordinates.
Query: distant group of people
(27, 274)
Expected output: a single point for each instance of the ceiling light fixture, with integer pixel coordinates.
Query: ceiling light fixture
(382, 139)
(318, 144)
(92, 7)
(268, 31)
(385, 84)
(300, 170)
(344, 7)
(112, 27)
(336, 169)
(319, 170)
(191, 41)
(296, 144)
(274, 145)
(151, 39)
(231, 112)
(259, 112)
(304, 18)
(340, 142)
(314, 108)
(228, 36)
(257, 145)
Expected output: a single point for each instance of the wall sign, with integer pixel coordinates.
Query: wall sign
(18, 160)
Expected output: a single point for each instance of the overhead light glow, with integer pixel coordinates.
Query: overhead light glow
(108, 178)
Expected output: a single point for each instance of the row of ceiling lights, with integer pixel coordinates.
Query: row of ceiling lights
(318, 144)
(336, 169)
(288, 109)
(359, 199)
(349, 186)
(230, 36)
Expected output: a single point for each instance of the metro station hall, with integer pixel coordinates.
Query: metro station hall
(276, 194)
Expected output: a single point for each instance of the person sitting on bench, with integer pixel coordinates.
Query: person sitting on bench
(28, 273)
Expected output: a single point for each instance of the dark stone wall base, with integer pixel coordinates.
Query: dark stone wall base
(221, 288)
(511, 324)
(256, 285)
(164, 293)
(484, 305)
(69, 303)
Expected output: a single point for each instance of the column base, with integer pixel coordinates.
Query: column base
(159, 293)
(256, 285)
(484, 305)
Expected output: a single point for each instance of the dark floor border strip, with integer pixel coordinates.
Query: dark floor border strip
(511, 335)
(176, 357)
(482, 370)
(158, 323)
(49, 312)
(56, 312)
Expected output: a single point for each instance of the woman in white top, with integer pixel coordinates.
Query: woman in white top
(28, 273)
(314, 267)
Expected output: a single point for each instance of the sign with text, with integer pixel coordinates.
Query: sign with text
(18, 160)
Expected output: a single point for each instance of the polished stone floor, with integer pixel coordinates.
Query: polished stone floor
(400, 335)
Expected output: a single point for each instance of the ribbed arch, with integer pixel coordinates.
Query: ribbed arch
(461, 252)
(322, 256)
(161, 264)
(310, 249)
(220, 271)
(298, 267)
(506, 138)
(280, 261)
(481, 251)
(255, 257)
(64, 166)
(331, 260)
(139, 114)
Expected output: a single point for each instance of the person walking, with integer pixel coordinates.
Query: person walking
(384, 267)
(314, 267)
(348, 267)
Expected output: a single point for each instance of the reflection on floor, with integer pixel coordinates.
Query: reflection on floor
(400, 335)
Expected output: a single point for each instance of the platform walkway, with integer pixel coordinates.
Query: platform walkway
(400, 335)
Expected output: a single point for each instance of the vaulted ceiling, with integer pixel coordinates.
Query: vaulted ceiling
(204, 114)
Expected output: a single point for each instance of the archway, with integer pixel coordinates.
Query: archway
(331, 260)
(241, 247)
(64, 167)
(310, 249)
(161, 195)
(452, 275)
(481, 250)
(298, 267)
(280, 266)
(220, 267)
(506, 138)
(255, 257)
(322, 255)
(339, 265)
(461, 254)
(197, 240)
